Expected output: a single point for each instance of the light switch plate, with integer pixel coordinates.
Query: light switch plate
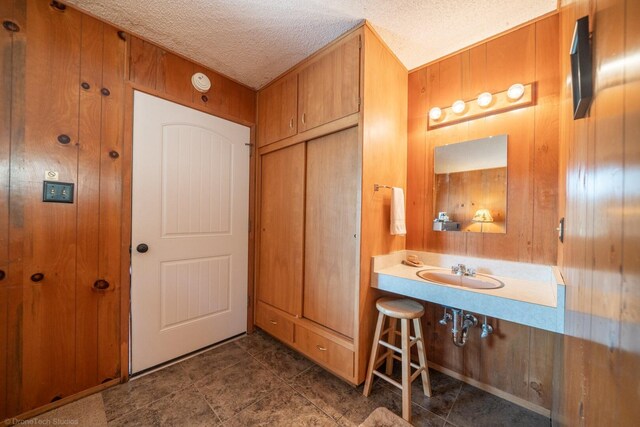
(57, 192)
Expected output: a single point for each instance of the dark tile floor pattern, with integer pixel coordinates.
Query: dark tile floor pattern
(256, 381)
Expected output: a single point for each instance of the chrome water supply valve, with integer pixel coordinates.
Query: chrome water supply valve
(445, 318)
(487, 329)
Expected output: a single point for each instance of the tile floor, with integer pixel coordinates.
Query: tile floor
(255, 381)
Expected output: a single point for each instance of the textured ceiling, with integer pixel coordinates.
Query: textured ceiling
(254, 41)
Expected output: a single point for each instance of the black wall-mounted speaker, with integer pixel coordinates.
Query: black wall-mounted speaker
(581, 68)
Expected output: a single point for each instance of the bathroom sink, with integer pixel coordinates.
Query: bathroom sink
(446, 277)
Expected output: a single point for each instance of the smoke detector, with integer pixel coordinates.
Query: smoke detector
(201, 82)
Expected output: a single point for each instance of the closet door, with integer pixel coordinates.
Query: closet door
(282, 228)
(331, 231)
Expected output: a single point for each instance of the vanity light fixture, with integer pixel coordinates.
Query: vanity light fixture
(515, 91)
(458, 106)
(435, 113)
(484, 99)
(516, 96)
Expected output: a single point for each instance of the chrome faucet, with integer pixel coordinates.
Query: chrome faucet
(463, 270)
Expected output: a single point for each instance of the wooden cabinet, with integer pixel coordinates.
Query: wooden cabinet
(282, 228)
(329, 87)
(331, 230)
(319, 219)
(278, 110)
(326, 351)
(324, 89)
(275, 323)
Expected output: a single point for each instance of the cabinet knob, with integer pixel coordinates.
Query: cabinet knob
(304, 117)
(2, 275)
(321, 348)
(273, 322)
(291, 123)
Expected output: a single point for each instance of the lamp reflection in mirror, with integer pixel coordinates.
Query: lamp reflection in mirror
(482, 216)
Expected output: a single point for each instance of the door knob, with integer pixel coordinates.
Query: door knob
(142, 248)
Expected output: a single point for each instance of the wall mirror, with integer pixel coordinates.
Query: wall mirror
(470, 186)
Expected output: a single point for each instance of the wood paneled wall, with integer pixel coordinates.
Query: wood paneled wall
(60, 336)
(599, 357)
(527, 55)
(516, 359)
(384, 156)
(164, 73)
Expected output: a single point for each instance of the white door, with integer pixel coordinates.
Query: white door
(190, 208)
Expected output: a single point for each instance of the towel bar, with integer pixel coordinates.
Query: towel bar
(376, 187)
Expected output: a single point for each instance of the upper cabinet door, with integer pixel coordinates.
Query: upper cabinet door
(329, 87)
(277, 110)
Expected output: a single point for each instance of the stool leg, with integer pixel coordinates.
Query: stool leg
(422, 355)
(406, 369)
(391, 339)
(374, 355)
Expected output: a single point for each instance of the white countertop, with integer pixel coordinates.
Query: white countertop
(533, 294)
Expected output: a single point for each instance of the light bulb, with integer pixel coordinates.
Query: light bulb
(484, 99)
(458, 106)
(435, 113)
(515, 92)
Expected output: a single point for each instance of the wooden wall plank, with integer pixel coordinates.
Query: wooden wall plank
(143, 62)
(14, 287)
(51, 97)
(629, 357)
(111, 152)
(174, 76)
(6, 74)
(511, 59)
(440, 347)
(88, 202)
(546, 153)
(504, 358)
(416, 144)
(541, 358)
(607, 204)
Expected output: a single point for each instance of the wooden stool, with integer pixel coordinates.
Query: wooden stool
(405, 310)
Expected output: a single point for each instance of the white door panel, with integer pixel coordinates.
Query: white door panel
(190, 206)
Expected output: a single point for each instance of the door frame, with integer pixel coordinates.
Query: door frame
(127, 173)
